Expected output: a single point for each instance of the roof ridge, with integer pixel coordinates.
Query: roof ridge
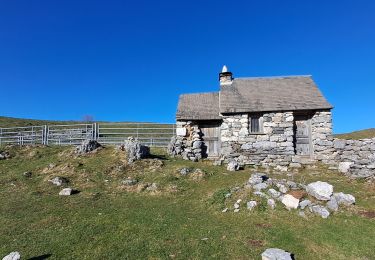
(198, 93)
(275, 77)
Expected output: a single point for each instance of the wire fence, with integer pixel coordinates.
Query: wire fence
(150, 134)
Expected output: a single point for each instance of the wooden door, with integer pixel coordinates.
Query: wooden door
(211, 140)
(302, 135)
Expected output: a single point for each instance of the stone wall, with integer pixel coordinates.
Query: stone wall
(274, 146)
(355, 157)
(321, 136)
(187, 142)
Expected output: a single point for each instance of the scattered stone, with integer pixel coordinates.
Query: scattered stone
(302, 214)
(281, 168)
(224, 210)
(87, 146)
(228, 195)
(282, 188)
(134, 150)
(129, 181)
(320, 190)
(271, 203)
(292, 185)
(4, 155)
(260, 186)
(290, 202)
(236, 205)
(251, 204)
(276, 254)
(233, 166)
(319, 210)
(305, 203)
(184, 171)
(344, 166)
(12, 256)
(344, 199)
(27, 174)
(274, 193)
(236, 210)
(332, 204)
(260, 194)
(66, 192)
(295, 165)
(152, 187)
(238, 201)
(257, 178)
(198, 174)
(58, 181)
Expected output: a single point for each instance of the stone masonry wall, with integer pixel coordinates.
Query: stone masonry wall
(188, 141)
(271, 148)
(321, 136)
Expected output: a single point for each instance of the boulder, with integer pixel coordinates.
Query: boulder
(260, 186)
(152, 187)
(184, 171)
(282, 188)
(274, 193)
(233, 166)
(251, 204)
(290, 202)
(129, 181)
(87, 146)
(344, 199)
(27, 174)
(319, 210)
(12, 256)
(66, 192)
(134, 150)
(4, 155)
(276, 254)
(332, 204)
(256, 178)
(305, 203)
(271, 203)
(58, 181)
(344, 166)
(320, 190)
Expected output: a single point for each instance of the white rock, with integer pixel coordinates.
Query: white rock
(319, 210)
(224, 210)
(260, 186)
(344, 166)
(233, 166)
(282, 188)
(344, 199)
(332, 204)
(320, 190)
(290, 202)
(251, 204)
(276, 254)
(305, 203)
(274, 193)
(66, 192)
(281, 168)
(12, 256)
(181, 131)
(271, 203)
(236, 205)
(236, 210)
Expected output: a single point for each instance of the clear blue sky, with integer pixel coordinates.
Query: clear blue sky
(129, 60)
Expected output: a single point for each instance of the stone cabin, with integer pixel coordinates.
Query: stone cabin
(261, 121)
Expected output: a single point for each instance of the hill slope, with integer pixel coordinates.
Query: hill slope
(361, 134)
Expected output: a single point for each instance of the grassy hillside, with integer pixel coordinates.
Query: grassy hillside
(10, 122)
(367, 133)
(182, 219)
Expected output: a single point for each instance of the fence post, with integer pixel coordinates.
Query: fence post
(1, 135)
(137, 131)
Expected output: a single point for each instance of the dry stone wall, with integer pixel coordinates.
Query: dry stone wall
(274, 146)
(187, 142)
(321, 136)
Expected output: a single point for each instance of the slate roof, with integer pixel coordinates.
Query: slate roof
(201, 106)
(244, 95)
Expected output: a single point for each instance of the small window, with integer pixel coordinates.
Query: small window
(255, 124)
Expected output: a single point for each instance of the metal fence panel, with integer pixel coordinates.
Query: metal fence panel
(150, 134)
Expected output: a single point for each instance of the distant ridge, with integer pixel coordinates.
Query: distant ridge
(361, 134)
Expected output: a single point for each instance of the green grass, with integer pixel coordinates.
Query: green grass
(105, 221)
(362, 134)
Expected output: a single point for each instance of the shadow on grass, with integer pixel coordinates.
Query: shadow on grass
(41, 257)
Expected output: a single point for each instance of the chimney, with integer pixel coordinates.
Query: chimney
(225, 77)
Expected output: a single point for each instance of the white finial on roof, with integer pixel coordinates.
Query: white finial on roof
(225, 69)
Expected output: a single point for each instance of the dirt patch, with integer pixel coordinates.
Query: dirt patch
(298, 194)
(255, 243)
(367, 214)
(263, 225)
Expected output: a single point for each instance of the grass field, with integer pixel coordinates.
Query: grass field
(362, 134)
(181, 220)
